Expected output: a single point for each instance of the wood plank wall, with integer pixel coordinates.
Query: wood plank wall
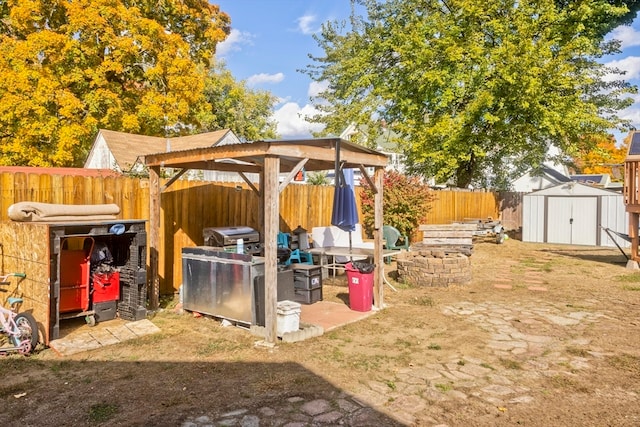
(24, 248)
(190, 206)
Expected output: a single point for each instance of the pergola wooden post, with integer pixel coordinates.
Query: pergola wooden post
(378, 222)
(269, 159)
(271, 226)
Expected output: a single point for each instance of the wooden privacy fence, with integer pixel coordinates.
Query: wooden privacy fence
(190, 206)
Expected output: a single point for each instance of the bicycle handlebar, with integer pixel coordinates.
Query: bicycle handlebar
(5, 277)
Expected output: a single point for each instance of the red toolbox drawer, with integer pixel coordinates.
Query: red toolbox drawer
(106, 287)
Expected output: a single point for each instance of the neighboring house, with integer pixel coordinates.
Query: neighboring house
(124, 152)
(550, 174)
(384, 144)
(538, 180)
(598, 180)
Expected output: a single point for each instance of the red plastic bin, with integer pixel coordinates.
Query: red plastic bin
(360, 289)
(106, 287)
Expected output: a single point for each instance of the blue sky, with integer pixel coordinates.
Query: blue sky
(271, 39)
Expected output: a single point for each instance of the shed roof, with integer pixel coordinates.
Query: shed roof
(573, 189)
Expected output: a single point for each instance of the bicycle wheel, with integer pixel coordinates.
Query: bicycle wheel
(28, 331)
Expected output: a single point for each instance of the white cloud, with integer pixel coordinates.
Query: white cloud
(630, 64)
(633, 112)
(234, 42)
(315, 88)
(257, 79)
(629, 36)
(291, 120)
(305, 24)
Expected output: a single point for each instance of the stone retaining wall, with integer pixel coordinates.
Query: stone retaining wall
(434, 268)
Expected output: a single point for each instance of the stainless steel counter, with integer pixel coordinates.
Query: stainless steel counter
(220, 283)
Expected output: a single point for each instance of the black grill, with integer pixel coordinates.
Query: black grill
(227, 238)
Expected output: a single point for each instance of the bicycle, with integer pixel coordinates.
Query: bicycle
(20, 329)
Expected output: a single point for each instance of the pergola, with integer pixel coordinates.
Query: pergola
(269, 159)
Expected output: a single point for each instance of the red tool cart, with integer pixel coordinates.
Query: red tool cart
(75, 291)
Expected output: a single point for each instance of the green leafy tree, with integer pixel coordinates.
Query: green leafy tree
(69, 68)
(405, 203)
(475, 91)
(603, 24)
(234, 106)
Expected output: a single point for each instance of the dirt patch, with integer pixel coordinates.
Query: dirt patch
(543, 335)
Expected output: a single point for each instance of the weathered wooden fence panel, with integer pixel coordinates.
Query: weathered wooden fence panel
(450, 206)
(190, 206)
(511, 209)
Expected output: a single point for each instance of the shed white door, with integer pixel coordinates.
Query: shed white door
(572, 220)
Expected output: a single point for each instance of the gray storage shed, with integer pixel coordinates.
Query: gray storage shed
(572, 213)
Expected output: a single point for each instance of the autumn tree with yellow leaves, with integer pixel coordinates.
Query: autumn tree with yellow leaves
(69, 68)
(605, 158)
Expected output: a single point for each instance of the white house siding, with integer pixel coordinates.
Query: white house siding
(222, 176)
(229, 139)
(100, 156)
(527, 183)
(547, 216)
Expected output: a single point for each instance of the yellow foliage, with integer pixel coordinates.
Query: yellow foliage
(605, 158)
(68, 68)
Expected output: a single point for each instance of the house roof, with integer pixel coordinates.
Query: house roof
(128, 148)
(560, 177)
(597, 179)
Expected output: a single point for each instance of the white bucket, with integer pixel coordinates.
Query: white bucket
(288, 319)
